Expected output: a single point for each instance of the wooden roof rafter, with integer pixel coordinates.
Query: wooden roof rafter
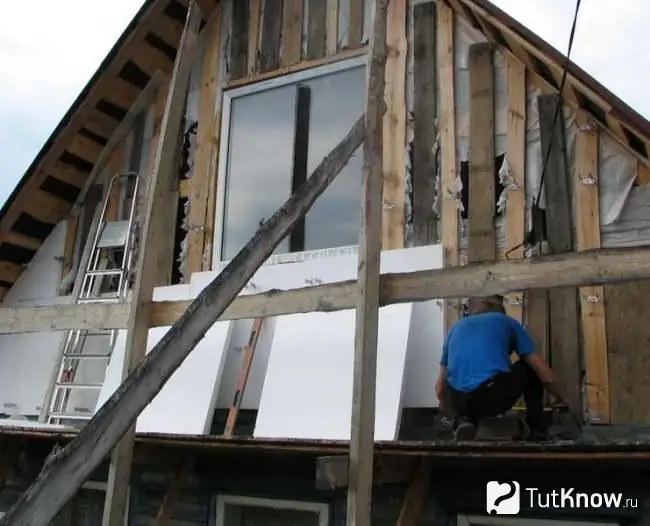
(546, 64)
(46, 193)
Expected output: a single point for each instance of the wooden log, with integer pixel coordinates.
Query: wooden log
(65, 472)
(591, 267)
(154, 236)
(364, 376)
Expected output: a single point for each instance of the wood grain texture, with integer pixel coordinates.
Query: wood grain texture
(364, 375)
(450, 221)
(594, 333)
(516, 159)
(564, 316)
(481, 240)
(394, 128)
(424, 110)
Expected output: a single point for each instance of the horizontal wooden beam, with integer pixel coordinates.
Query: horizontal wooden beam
(592, 267)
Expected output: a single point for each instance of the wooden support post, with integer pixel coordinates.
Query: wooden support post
(424, 157)
(173, 493)
(516, 159)
(65, 472)
(416, 495)
(207, 145)
(450, 220)
(152, 236)
(362, 440)
(481, 239)
(563, 303)
(592, 301)
(394, 127)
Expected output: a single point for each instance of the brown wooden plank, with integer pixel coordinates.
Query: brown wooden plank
(271, 32)
(594, 335)
(207, 146)
(332, 26)
(292, 18)
(152, 242)
(628, 355)
(316, 29)
(70, 245)
(450, 220)
(394, 129)
(100, 123)
(254, 36)
(150, 59)
(47, 208)
(481, 242)
(242, 377)
(85, 148)
(600, 267)
(642, 174)
(516, 159)
(20, 240)
(563, 303)
(364, 375)
(239, 40)
(122, 93)
(416, 495)
(169, 30)
(424, 109)
(355, 23)
(173, 493)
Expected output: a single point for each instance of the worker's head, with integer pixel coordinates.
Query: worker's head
(480, 305)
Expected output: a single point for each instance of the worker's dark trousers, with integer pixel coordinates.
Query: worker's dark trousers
(499, 394)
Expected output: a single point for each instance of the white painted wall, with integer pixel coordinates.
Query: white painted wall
(27, 361)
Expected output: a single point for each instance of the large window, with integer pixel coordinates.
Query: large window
(274, 135)
(249, 511)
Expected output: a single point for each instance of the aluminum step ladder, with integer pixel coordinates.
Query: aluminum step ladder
(86, 353)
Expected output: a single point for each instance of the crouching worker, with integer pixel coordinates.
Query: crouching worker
(477, 377)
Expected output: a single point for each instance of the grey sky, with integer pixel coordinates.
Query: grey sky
(45, 64)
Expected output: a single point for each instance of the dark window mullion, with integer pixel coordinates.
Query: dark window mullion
(300, 159)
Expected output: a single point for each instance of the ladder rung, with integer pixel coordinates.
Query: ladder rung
(109, 299)
(80, 356)
(105, 272)
(69, 416)
(65, 385)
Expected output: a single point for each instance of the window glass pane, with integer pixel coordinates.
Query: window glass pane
(259, 164)
(337, 101)
(260, 161)
(267, 516)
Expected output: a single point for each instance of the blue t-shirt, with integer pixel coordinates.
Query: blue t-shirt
(479, 346)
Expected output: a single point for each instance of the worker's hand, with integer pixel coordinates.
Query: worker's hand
(440, 391)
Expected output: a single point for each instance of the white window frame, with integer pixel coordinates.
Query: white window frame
(321, 508)
(257, 87)
(490, 520)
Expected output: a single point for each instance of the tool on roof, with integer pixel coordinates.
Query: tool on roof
(242, 379)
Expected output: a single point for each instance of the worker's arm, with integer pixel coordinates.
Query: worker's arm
(442, 373)
(545, 374)
(527, 350)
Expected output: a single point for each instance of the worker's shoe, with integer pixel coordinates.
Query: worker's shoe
(465, 430)
(537, 436)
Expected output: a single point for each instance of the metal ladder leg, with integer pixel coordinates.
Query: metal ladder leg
(109, 238)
